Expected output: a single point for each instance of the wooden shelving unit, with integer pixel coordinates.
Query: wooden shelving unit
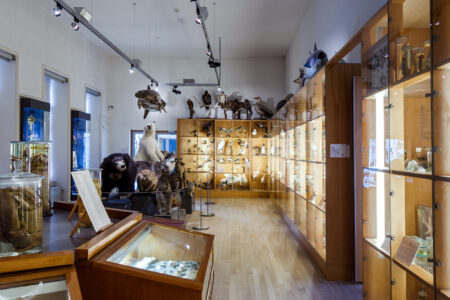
(307, 182)
(232, 155)
(406, 150)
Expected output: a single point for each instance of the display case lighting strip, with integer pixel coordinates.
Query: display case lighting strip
(92, 29)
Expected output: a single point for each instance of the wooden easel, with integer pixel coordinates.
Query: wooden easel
(83, 215)
(94, 198)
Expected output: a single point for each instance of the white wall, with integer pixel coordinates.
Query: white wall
(330, 23)
(251, 77)
(41, 40)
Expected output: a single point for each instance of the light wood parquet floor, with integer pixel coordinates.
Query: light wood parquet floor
(256, 256)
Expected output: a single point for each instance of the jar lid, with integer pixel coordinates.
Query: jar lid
(19, 179)
(39, 142)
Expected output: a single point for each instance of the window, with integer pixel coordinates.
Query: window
(166, 140)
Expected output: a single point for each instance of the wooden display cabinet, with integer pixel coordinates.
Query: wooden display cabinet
(134, 259)
(405, 151)
(49, 275)
(303, 134)
(232, 155)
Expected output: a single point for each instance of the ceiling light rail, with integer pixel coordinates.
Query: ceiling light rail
(202, 15)
(60, 4)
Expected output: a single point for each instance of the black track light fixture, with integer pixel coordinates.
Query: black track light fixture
(132, 67)
(75, 24)
(213, 63)
(175, 90)
(57, 11)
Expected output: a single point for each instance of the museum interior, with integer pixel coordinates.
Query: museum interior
(212, 149)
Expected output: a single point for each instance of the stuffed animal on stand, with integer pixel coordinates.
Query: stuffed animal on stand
(148, 146)
(118, 171)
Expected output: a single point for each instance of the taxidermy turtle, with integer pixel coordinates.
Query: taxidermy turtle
(150, 100)
(315, 62)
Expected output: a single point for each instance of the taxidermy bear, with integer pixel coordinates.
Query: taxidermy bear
(118, 171)
(148, 146)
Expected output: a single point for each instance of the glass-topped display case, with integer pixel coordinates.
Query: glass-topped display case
(49, 276)
(151, 259)
(34, 119)
(405, 153)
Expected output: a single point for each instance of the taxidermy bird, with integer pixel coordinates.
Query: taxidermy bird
(262, 110)
(254, 132)
(242, 129)
(263, 149)
(190, 105)
(194, 132)
(207, 129)
(229, 159)
(257, 150)
(227, 131)
(221, 146)
(150, 100)
(283, 102)
(315, 62)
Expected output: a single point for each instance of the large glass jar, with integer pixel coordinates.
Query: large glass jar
(20, 213)
(96, 175)
(34, 157)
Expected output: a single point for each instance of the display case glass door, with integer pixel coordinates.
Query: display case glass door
(441, 133)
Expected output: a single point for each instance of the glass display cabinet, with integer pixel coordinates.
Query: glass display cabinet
(196, 141)
(40, 276)
(34, 120)
(405, 151)
(80, 143)
(149, 259)
(302, 167)
(232, 155)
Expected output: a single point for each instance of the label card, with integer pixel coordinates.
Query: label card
(91, 200)
(340, 150)
(407, 251)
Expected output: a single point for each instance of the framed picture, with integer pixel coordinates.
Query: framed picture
(424, 221)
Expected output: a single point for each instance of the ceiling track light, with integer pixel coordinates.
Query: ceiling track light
(208, 52)
(75, 24)
(175, 90)
(57, 11)
(82, 19)
(132, 69)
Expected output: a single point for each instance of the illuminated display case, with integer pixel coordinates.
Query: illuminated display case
(232, 155)
(80, 145)
(302, 168)
(147, 259)
(405, 152)
(34, 120)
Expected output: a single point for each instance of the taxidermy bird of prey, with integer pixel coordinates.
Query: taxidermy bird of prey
(150, 100)
(284, 101)
(206, 98)
(262, 110)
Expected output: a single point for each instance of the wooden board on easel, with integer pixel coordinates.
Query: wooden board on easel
(91, 200)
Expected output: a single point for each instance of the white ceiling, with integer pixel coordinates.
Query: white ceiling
(249, 28)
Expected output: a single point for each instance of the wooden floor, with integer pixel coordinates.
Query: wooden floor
(256, 256)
